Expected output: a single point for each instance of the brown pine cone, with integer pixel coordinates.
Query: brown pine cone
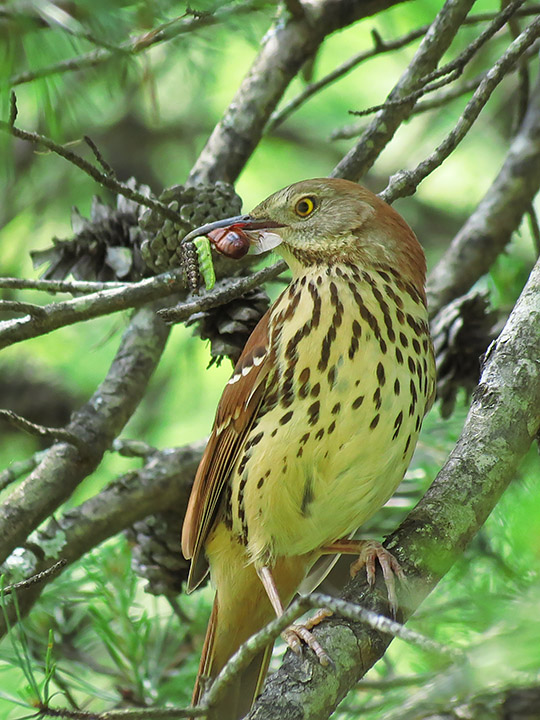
(229, 326)
(105, 247)
(461, 332)
(157, 553)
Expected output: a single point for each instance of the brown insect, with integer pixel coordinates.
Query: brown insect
(230, 241)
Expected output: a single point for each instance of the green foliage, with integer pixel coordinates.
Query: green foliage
(95, 639)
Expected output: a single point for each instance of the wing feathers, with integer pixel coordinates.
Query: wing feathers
(235, 415)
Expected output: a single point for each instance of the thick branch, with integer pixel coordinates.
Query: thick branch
(163, 483)
(503, 420)
(490, 227)
(286, 47)
(384, 125)
(86, 307)
(96, 424)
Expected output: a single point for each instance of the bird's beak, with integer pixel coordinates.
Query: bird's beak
(258, 230)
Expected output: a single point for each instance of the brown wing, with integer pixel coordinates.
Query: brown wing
(236, 412)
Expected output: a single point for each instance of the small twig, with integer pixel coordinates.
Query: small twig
(404, 183)
(49, 433)
(224, 292)
(88, 168)
(20, 468)
(270, 632)
(452, 70)
(37, 578)
(55, 286)
(99, 157)
(444, 97)
(13, 111)
(23, 308)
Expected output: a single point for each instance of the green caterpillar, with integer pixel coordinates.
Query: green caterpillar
(206, 266)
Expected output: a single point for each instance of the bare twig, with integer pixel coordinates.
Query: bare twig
(20, 468)
(489, 228)
(270, 632)
(48, 433)
(405, 182)
(63, 286)
(99, 157)
(103, 178)
(382, 128)
(452, 70)
(223, 292)
(441, 99)
(40, 577)
(133, 448)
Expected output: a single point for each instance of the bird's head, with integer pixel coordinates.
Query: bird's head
(328, 221)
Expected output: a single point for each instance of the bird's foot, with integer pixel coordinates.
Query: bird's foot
(370, 552)
(300, 633)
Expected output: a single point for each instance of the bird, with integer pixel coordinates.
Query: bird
(318, 422)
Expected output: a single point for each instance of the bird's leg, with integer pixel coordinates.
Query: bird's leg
(369, 551)
(295, 634)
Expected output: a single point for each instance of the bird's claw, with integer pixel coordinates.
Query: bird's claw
(370, 553)
(298, 634)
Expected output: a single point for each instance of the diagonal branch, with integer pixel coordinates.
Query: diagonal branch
(405, 182)
(96, 424)
(285, 48)
(490, 227)
(382, 128)
(503, 420)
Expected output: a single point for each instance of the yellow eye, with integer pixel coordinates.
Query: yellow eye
(304, 207)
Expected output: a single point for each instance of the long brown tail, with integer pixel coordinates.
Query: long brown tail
(218, 646)
(241, 608)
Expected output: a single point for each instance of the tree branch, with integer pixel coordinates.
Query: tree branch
(86, 307)
(382, 128)
(503, 420)
(490, 227)
(285, 49)
(405, 182)
(96, 424)
(164, 482)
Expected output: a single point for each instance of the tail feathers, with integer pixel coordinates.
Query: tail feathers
(243, 690)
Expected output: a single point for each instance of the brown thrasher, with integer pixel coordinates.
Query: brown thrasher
(319, 421)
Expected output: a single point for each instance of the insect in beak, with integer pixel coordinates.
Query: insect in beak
(235, 236)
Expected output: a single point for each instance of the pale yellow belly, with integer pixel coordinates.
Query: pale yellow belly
(323, 464)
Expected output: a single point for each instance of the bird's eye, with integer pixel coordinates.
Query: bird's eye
(304, 207)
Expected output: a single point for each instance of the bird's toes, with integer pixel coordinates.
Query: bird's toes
(296, 635)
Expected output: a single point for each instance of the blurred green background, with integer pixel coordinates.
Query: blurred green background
(150, 115)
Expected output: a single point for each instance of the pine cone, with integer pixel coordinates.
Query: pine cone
(157, 553)
(461, 332)
(229, 326)
(105, 247)
(196, 205)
